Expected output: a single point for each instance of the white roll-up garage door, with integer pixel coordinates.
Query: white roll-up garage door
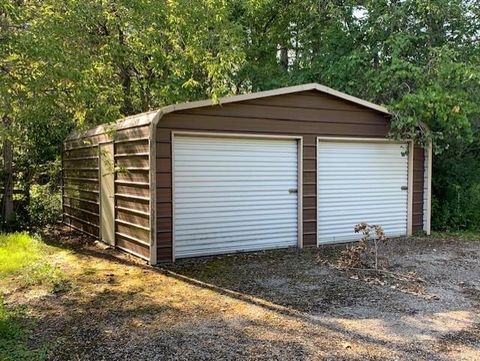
(361, 182)
(234, 194)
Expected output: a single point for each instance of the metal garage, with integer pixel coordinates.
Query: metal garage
(289, 167)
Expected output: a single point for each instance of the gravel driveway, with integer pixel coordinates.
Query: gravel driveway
(276, 305)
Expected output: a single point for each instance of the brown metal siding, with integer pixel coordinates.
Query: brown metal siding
(132, 190)
(81, 205)
(80, 184)
(308, 114)
(418, 188)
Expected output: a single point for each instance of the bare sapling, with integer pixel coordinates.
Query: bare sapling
(357, 254)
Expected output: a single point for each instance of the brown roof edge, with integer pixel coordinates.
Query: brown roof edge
(156, 115)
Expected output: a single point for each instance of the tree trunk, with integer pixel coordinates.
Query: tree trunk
(125, 76)
(7, 199)
(284, 58)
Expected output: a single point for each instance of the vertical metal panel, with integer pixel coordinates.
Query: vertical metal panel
(80, 158)
(132, 191)
(427, 190)
(361, 182)
(411, 187)
(107, 193)
(234, 194)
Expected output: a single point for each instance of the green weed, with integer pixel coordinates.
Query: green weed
(15, 329)
(465, 235)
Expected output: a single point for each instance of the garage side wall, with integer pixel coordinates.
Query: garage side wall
(81, 195)
(81, 191)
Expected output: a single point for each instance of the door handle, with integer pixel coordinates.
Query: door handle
(404, 188)
(293, 190)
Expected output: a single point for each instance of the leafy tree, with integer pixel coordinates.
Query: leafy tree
(75, 64)
(419, 58)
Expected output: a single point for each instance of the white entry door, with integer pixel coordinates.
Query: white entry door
(361, 182)
(234, 194)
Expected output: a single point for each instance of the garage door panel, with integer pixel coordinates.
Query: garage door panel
(250, 190)
(242, 241)
(233, 154)
(248, 218)
(240, 215)
(360, 176)
(252, 230)
(239, 202)
(355, 198)
(360, 182)
(236, 209)
(373, 218)
(231, 227)
(360, 211)
(212, 250)
(346, 198)
(232, 194)
(333, 226)
(229, 200)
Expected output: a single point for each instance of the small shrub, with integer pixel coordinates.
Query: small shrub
(357, 254)
(61, 286)
(45, 206)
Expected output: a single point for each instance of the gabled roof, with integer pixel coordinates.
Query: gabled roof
(155, 115)
(274, 92)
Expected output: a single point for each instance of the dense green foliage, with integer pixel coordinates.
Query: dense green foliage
(74, 64)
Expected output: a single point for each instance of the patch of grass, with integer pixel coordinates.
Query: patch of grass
(25, 261)
(24, 257)
(462, 235)
(17, 251)
(14, 332)
(89, 271)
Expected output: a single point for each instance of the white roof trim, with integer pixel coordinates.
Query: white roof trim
(274, 92)
(156, 115)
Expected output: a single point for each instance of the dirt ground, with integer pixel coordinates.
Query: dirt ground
(276, 305)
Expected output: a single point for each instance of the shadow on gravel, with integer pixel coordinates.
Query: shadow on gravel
(110, 326)
(292, 283)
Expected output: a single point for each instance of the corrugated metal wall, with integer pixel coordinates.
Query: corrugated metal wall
(132, 191)
(81, 198)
